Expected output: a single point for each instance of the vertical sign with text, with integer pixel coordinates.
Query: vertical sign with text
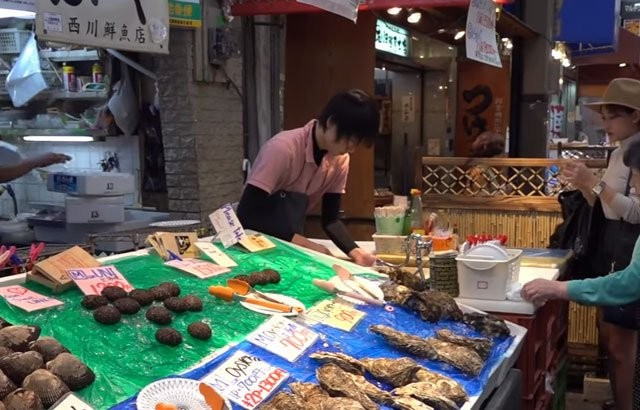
(481, 33)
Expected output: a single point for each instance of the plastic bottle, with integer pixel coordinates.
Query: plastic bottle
(69, 78)
(415, 213)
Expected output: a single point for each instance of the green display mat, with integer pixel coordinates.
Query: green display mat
(126, 357)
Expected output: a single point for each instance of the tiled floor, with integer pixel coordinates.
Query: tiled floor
(575, 402)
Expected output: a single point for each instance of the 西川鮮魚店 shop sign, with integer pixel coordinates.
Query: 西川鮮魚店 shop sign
(133, 25)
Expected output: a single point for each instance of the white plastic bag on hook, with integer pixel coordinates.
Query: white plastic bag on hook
(124, 104)
(25, 79)
(345, 8)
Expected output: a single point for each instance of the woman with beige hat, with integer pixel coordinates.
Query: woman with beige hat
(618, 325)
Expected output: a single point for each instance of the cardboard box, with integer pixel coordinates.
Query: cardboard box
(52, 272)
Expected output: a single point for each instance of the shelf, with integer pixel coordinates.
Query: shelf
(65, 95)
(20, 132)
(71, 55)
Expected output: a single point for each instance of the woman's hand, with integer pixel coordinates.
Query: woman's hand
(362, 258)
(577, 173)
(539, 291)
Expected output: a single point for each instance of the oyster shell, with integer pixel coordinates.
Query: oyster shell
(343, 361)
(460, 357)
(23, 399)
(75, 374)
(396, 293)
(431, 305)
(426, 393)
(341, 403)
(409, 403)
(6, 385)
(4, 323)
(374, 392)
(408, 279)
(17, 338)
(5, 351)
(311, 394)
(480, 345)
(488, 325)
(47, 386)
(443, 384)
(338, 383)
(284, 401)
(19, 365)
(48, 347)
(415, 345)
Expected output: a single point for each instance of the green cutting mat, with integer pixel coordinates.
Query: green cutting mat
(126, 357)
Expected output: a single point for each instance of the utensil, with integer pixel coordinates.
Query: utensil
(228, 294)
(345, 275)
(213, 399)
(244, 289)
(331, 288)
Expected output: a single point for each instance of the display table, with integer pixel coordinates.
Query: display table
(126, 357)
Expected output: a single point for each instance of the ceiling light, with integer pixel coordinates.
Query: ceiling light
(450, 48)
(394, 11)
(421, 56)
(622, 65)
(459, 35)
(414, 38)
(440, 31)
(414, 17)
(560, 81)
(57, 138)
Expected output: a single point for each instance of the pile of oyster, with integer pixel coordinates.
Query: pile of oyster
(343, 386)
(36, 372)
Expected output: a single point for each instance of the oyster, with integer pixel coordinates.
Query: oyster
(48, 347)
(415, 345)
(480, 345)
(71, 371)
(343, 361)
(284, 401)
(426, 393)
(408, 279)
(6, 385)
(48, 387)
(341, 403)
(431, 305)
(19, 365)
(17, 338)
(312, 394)
(5, 351)
(396, 293)
(374, 392)
(4, 323)
(409, 403)
(23, 399)
(488, 325)
(338, 383)
(448, 387)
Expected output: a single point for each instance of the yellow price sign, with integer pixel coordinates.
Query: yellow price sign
(335, 314)
(256, 243)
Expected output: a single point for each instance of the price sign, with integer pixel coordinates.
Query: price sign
(196, 267)
(256, 243)
(71, 402)
(26, 299)
(227, 225)
(245, 380)
(92, 281)
(335, 314)
(283, 337)
(216, 254)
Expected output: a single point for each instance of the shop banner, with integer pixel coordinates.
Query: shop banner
(587, 21)
(133, 25)
(26, 5)
(185, 13)
(481, 33)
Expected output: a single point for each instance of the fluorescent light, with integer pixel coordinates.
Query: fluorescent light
(622, 65)
(394, 11)
(414, 17)
(459, 35)
(6, 13)
(441, 30)
(57, 138)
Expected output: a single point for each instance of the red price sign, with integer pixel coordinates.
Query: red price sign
(283, 337)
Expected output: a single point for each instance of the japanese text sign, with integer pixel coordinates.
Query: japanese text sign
(227, 225)
(256, 243)
(26, 299)
(283, 337)
(481, 33)
(216, 254)
(185, 13)
(196, 267)
(335, 314)
(134, 25)
(92, 281)
(245, 380)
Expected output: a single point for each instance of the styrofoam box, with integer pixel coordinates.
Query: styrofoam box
(480, 278)
(91, 183)
(82, 210)
(391, 244)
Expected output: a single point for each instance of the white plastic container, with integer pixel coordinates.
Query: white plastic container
(486, 273)
(91, 183)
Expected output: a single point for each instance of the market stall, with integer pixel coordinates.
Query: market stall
(126, 357)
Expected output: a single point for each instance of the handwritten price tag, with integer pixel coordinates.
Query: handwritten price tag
(283, 337)
(26, 299)
(71, 402)
(91, 281)
(246, 380)
(335, 314)
(216, 254)
(196, 267)
(256, 243)
(227, 225)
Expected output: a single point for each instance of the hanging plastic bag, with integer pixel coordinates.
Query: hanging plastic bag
(124, 104)
(25, 79)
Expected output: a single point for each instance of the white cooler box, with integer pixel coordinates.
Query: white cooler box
(91, 183)
(94, 210)
(487, 272)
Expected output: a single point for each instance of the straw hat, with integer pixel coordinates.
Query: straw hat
(621, 91)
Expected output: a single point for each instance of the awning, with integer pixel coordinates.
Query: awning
(627, 51)
(256, 7)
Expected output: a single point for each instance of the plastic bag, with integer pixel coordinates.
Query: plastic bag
(124, 104)
(25, 79)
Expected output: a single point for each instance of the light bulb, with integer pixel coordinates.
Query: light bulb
(622, 65)
(394, 11)
(414, 17)
(566, 62)
(459, 35)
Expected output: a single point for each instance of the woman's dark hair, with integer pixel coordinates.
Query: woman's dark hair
(355, 115)
(631, 156)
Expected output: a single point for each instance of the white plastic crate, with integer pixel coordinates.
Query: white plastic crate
(12, 40)
(487, 278)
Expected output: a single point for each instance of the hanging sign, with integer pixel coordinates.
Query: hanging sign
(26, 5)
(588, 21)
(392, 39)
(345, 8)
(185, 13)
(133, 25)
(481, 33)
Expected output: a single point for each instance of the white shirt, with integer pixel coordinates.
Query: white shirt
(616, 177)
